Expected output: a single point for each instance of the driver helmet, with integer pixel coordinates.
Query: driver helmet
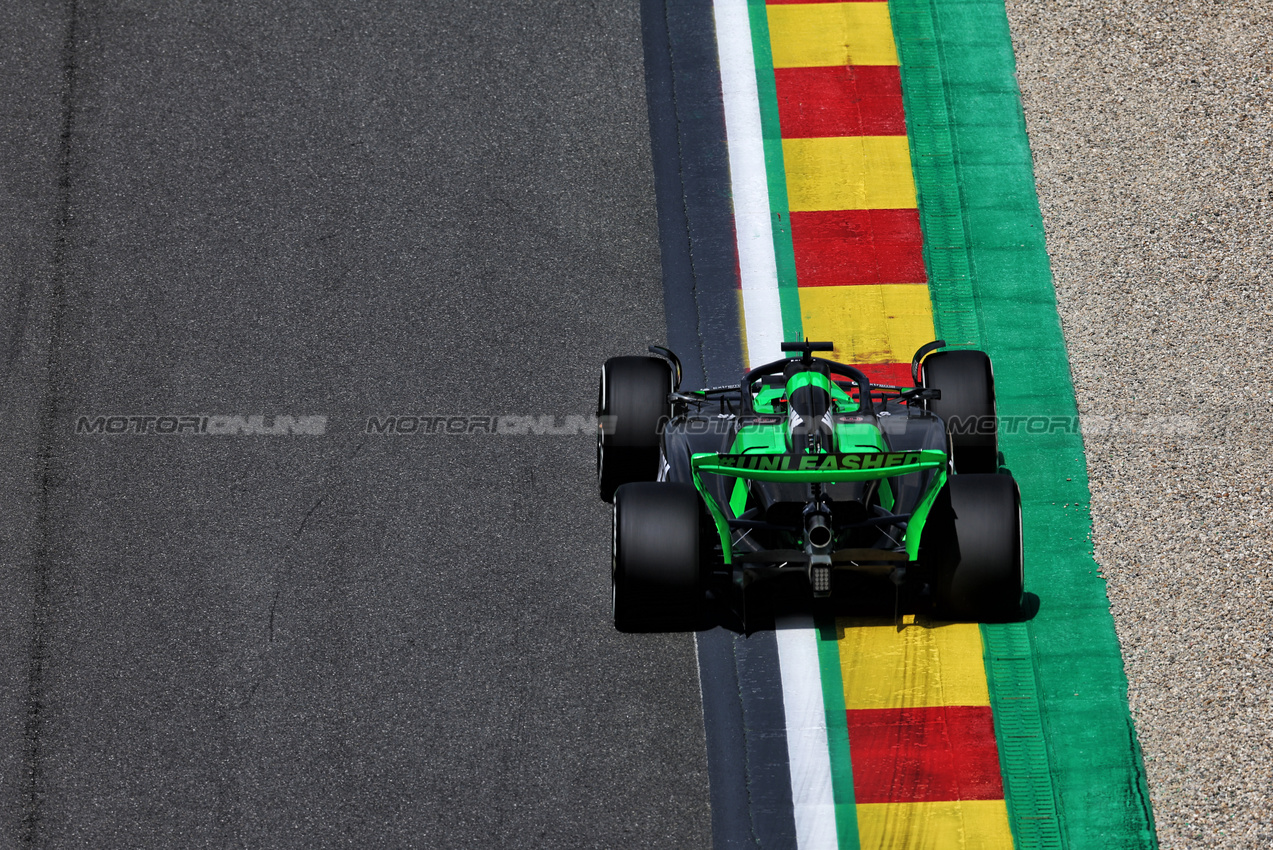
(809, 423)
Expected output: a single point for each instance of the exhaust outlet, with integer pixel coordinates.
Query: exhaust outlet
(817, 531)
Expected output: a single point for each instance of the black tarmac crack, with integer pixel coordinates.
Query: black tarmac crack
(50, 476)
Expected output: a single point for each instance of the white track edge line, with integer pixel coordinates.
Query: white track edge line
(811, 790)
(808, 754)
(749, 184)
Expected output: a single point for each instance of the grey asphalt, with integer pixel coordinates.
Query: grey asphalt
(347, 639)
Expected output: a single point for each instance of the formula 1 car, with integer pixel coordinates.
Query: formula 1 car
(805, 467)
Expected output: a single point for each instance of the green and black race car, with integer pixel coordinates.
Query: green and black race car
(806, 468)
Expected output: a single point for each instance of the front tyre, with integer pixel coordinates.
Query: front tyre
(977, 562)
(656, 576)
(632, 403)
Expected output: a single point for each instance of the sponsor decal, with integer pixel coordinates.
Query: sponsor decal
(817, 462)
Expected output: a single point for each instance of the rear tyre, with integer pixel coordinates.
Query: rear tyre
(633, 399)
(656, 576)
(967, 406)
(977, 560)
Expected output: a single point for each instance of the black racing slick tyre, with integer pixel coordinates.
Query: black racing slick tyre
(656, 575)
(632, 404)
(967, 406)
(977, 557)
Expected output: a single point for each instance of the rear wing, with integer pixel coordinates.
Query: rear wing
(829, 468)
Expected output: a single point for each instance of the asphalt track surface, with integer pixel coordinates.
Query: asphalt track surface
(338, 640)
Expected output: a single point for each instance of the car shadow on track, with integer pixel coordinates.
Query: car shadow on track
(778, 604)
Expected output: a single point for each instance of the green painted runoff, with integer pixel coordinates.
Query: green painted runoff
(1073, 772)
